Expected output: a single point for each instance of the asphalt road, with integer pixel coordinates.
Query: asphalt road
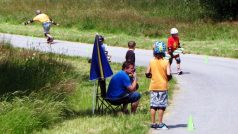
(208, 88)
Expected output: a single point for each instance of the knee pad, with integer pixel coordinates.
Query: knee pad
(178, 60)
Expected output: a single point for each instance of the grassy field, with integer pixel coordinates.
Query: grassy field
(219, 47)
(123, 20)
(47, 93)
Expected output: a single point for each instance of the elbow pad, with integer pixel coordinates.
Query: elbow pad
(148, 75)
(28, 22)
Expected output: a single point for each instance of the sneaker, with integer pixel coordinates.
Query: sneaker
(180, 72)
(155, 126)
(50, 40)
(162, 126)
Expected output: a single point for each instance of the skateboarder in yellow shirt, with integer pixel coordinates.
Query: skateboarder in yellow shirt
(46, 23)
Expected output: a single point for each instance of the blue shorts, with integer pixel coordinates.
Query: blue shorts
(133, 97)
(128, 98)
(46, 27)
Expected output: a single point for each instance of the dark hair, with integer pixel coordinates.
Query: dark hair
(131, 44)
(159, 55)
(101, 38)
(126, 64)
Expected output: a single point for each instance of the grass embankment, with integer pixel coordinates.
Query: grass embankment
(124, 20)
(53, 92)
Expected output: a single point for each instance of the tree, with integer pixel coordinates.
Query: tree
(220, 9)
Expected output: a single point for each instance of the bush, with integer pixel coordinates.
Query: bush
(221, 9)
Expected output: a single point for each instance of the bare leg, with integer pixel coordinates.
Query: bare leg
(134, 106)
(161, 114)
(124, 109)
(178, 67)
(152, 113)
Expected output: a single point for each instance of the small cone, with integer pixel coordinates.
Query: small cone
(190, 125)
(206, 59)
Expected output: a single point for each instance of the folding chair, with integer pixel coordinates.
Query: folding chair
(103, 104)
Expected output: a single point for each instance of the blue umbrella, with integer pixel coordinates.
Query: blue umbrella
(100, 68)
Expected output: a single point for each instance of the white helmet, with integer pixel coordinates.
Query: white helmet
(174, 31)
(38, 12)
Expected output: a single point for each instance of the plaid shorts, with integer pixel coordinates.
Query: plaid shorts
(158, 99)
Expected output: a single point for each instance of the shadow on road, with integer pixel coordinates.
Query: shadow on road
(177, 126)
(184, 73)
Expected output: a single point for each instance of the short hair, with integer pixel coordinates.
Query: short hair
(159, 55)
(126, 64)
(131, 44)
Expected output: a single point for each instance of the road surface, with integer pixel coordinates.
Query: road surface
(208, 88)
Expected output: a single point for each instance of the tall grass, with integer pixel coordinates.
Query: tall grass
(122, 20)
(148, 17)
(34, 89)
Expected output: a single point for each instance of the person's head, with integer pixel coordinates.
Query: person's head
(159, 49)
(174, 32)
(131, 44)
(38, 12)
(128, 67)
(101, 38)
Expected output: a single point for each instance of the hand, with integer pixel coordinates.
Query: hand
(134, 75)
(148, 75)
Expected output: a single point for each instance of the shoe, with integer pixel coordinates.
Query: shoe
(155, 126)
(50, 40)
(180, 72)
(162, 126)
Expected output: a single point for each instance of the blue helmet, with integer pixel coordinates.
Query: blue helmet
(159, 47)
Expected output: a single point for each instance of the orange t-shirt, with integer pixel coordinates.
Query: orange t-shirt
(158, 69)
(173, 42)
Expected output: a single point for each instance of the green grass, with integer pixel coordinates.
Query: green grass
(63, 103)
(214, 44)
(33, 89)
(123, 20)
(128, 16)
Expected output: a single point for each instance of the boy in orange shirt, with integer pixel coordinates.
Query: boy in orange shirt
(159, 72)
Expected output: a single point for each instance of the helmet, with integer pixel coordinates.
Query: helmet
(174, 31)
(38, 12)
(159, 47)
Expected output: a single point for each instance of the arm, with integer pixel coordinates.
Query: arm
(53, 22)
(28, 22)
(169, 76)
(170, 45)
(179, 43)
(148, 73)
(132, 87)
